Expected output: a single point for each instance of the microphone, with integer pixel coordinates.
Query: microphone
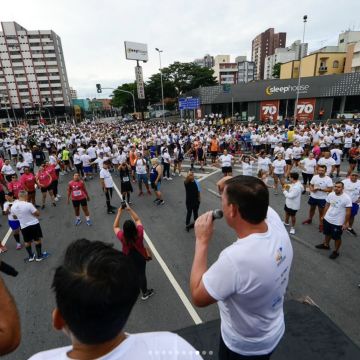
(217, 214)
(7, 269)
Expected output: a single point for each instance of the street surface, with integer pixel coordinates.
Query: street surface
(332, 284)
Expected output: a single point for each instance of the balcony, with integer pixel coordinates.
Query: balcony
(323, 69)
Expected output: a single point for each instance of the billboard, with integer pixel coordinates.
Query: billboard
(136, 51)
(140, 82)
(305, 109)
(269, 108)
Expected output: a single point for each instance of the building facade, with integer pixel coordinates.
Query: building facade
(344, 40)
(246, 69)
(353, 58)
(32, 72)
(73, 93)
(264, 45)
(299, 48)
(281, 56)
(207, 61)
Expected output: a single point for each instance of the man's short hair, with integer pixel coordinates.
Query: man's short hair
(251, 197)
(294, 175)
(22, 194)
(95, 288)
(322, 166)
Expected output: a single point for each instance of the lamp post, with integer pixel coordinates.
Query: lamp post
(161, 79)
(298, 88)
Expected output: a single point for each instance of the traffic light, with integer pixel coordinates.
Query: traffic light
(98, 88)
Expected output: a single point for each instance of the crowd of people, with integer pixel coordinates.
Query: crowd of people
(148, 154)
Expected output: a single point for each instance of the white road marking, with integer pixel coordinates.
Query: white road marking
(6, 237)
(170, 276)
(214, 192)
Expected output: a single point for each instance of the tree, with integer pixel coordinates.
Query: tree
(123, 99)
(276, 70)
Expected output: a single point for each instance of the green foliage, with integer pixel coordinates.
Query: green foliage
(276, 70)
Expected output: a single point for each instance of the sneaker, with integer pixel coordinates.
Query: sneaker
(129, 202)
(202, 169)
(54, 204)
(43, 207)
(334, 255)
(180, 175)
(292, 231)
(141, 194)
(77, 222)
(304, 192)
(156, 200)
(306, 222)
(56, 199)
(85, 178)
(91, 177)
(173, 174)
(276, 193)
(89, 222)
(321, 228)
(351, 232)
(58, 196)
(149, 293)
(149, 192)
(286, 224)
(3, 248)
(31, 257)
(113, 207)
(18, 246)
(165, 177)
(110, 212)
(43, 256)
(134, 180)
(322, 247)
(161, 202)
(169, 178)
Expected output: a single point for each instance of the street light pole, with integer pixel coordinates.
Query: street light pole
(298, 88)
(161, 79)
(124, 92)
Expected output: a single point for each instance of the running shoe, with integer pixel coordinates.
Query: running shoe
(18, 246)
(334, 255)
(306, 222)
(91, 177)
(58, 196)
(173, 174)
(77, 222)
(292, 231)
(156, 200)
(304, 192)
(351, 232)
(110, 212)
(202, 169)
(32, 257)
(322, 247)
(286, 224)
(165, 177)
(276, 193)
(43, 207)
(89, 222)
(43, 256)
(149, 192)
(3, 248)
(129, 202)
(148, 294)
(169, 178)
(56, 199)
(321, 228)
(85, 178)
(161, 202)
(54, 204)
(141, 194)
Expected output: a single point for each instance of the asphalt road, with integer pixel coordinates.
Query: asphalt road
(332, 284)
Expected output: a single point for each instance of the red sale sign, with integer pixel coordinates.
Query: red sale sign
(305, 109)
(269, 109)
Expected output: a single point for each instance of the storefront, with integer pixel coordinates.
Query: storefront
(335, 94)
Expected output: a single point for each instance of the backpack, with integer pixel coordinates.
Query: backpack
(180, 155)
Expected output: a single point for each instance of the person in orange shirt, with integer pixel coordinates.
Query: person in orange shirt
(214, 148)
(133, 157)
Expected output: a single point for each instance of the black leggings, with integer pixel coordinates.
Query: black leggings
(140, 265)
(108, 196)
(307, 178)
(166, 169)
(192, 208)
(79, 169)
(55, 187)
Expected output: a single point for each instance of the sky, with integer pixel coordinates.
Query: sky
(93, 32)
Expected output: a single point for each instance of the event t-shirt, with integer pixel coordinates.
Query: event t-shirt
(29, 181)
(336, 155)
(309, 165)
(328, 163)
(24, 212)
(337, 210)
(247, 167)
(108, 181)
(226, 160)
(264, 163)
(320, 183)
(279, 166)
(152, 345)
(249, 282)
(352, 189)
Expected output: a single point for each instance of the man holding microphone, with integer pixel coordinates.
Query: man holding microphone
(250, 277)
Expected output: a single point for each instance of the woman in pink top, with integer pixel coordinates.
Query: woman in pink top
(28, 182)
(132, 239)
(316, 150)
(44, 181)
(15, 185)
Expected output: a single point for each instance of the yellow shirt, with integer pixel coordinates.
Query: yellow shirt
(290, 136)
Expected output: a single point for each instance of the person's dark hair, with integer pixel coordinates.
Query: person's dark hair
(340, 182)
(322, 166)
(95, 288)
(294, 175)
(130, 232)
(251, 197)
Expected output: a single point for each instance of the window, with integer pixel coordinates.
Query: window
(335, 64)
(341, 41)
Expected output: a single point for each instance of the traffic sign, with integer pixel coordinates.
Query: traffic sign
(226, 88)
(190, 103)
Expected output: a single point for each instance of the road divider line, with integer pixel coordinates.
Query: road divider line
(174, 283)
(6, 237)
(214, 192)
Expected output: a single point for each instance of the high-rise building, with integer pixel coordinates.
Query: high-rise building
(281, 56)
(32, 71)
(245, 69)
(207, 61)
(264, 45)
(73, 93)
(300, 49)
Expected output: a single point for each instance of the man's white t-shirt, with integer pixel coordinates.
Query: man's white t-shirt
(320, 183)
(352, 189)
(328, 163)
(249, 282)
(337, 210)
(24, 212)
(226, 160)
(137, 346)
(336, 155)
(108, 181)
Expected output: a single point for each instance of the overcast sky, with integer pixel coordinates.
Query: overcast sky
(93, 32)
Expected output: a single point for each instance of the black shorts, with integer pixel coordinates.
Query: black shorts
(2, 197)
(226, 169)
(288, 162)
(352, 161)
(334, 230)
(289, 211)
(82, 202)
(14, 156)
(66, 162)
(49, 188)
(31, 192)
(32, 232)
(214, 153)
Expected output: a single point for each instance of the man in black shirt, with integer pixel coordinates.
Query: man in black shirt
(193, 198)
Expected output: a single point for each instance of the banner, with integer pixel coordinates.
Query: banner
(269, 109)
(198, 113)
(305, 109)
(140, 82)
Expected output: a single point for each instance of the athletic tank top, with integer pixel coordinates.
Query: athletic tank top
(154, 174)
(77, 191)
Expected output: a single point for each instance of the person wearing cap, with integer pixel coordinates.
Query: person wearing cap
(107, 184)
(141, 171)
(13, 223)
(352, 188)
